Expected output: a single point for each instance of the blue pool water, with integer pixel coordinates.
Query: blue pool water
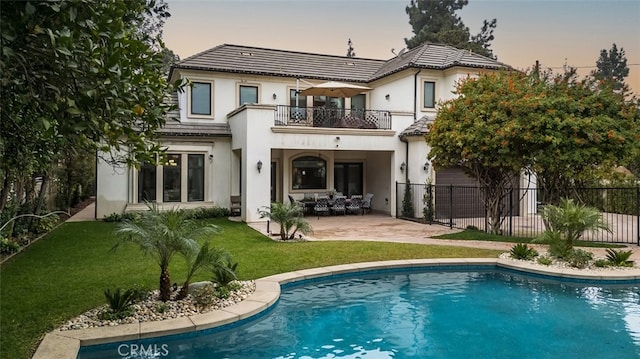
(447, 314)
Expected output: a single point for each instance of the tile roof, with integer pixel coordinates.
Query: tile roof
(272, 62)
(438, 57)
(175, 128)
(418, 128)
(261, 61)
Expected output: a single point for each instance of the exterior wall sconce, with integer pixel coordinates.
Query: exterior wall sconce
(210, 158)
(274, 96)
(259, 166)
(387, 97)
(402, 167)
(426, 166)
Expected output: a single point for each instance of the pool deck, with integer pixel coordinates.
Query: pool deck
(66, 344)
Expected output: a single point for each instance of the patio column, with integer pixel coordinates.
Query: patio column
(251, 133)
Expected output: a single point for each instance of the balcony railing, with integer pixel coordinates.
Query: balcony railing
(332, 117)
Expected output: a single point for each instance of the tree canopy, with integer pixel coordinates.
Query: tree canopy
(564, 130)
(612, 66)
(81, 75)
(437, 22)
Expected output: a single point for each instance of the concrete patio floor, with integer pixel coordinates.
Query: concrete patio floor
(384, 228)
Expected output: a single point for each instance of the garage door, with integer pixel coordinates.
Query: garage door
(458, 196)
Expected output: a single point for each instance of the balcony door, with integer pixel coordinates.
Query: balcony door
(347, 178)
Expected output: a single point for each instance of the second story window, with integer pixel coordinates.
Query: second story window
(429, 94)
(248, 94)
(201, 98)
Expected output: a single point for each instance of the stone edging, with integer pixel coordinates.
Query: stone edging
(66, 344)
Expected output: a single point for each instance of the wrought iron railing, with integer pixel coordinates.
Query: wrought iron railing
(332, 117)
(461, 207)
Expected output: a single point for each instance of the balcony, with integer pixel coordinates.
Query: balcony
(323, 117)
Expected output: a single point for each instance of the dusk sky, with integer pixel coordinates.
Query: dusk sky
(554, 32)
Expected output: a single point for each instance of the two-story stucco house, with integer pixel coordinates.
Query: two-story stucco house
(247, 128)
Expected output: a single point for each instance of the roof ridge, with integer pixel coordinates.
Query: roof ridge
(287, 51)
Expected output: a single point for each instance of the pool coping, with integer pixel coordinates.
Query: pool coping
(66, 344)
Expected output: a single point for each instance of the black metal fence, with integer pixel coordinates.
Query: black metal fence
(332, 117)
(462, 207)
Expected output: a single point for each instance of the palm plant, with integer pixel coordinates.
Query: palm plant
(289, 217)
(205, 257)
(162, 235)
(571, 220)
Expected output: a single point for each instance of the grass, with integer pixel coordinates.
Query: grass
(475, 235)
(65, 274)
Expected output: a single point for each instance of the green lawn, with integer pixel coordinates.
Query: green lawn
(475, 235)
(65, 274)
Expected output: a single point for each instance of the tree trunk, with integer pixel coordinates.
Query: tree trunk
(184, 291)
(165, 284)
(41, 194)
(4, 194)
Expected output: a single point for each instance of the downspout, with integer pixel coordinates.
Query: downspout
(415, 95)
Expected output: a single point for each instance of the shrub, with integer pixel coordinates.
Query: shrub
(204, 296)
(619, 258)
(523, 251)
(121, 217)
(223, 275)
(558, 248)
(222, 292)
(289, 217)
(571, 220)
(579, 258)
(140, 293)
(47, 224)
(407, 202)
(544, 260)
(428, 211)
(119, 303)
(161, 307)
(8, 246)
(472, 228)
(208, 212)
(601, 263)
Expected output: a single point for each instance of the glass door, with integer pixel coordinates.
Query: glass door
(347, 178)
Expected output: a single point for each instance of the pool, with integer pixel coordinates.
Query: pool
(427, 313)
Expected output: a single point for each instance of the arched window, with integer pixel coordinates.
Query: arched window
(309, 172)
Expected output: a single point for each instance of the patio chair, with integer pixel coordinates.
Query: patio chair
(355, 205)
(366, 203)
(322, 206)
(339, 205)
(299, 204)
(236, 205)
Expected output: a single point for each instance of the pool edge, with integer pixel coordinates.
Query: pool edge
(66, 344)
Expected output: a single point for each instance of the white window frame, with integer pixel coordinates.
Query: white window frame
(196, 115)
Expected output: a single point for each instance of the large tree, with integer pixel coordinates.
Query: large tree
(81, 74)
(437, 22)
(612, 66)
(562, 129)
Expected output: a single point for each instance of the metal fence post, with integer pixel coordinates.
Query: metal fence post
(450, 206)
(511, 212)
(396, 199)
